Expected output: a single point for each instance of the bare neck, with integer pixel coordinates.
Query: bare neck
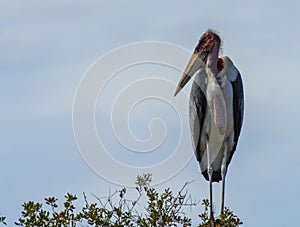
(212, 60)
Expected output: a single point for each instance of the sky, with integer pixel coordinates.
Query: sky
(48, 48)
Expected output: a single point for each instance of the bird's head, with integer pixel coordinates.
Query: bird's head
(209, 43)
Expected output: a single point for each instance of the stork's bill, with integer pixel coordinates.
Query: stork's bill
(199, 58)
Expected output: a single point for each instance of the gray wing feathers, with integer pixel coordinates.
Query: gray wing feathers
(197, 112)
(238, 110)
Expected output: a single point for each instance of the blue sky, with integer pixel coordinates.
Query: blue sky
(47, 47)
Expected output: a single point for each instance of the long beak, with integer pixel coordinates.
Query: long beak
(195, 63)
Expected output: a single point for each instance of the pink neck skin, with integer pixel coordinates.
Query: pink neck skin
(212, 59)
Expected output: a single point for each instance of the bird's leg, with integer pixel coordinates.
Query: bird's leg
(210, 175)
(223, 175)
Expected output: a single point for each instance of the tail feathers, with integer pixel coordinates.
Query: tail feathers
(216, 177)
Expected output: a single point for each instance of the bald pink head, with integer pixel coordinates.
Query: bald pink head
(208, 48)
(207, 41)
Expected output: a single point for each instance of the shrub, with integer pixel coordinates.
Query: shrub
(115, 210)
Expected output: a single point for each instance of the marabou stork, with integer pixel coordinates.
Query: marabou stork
(216, 109)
